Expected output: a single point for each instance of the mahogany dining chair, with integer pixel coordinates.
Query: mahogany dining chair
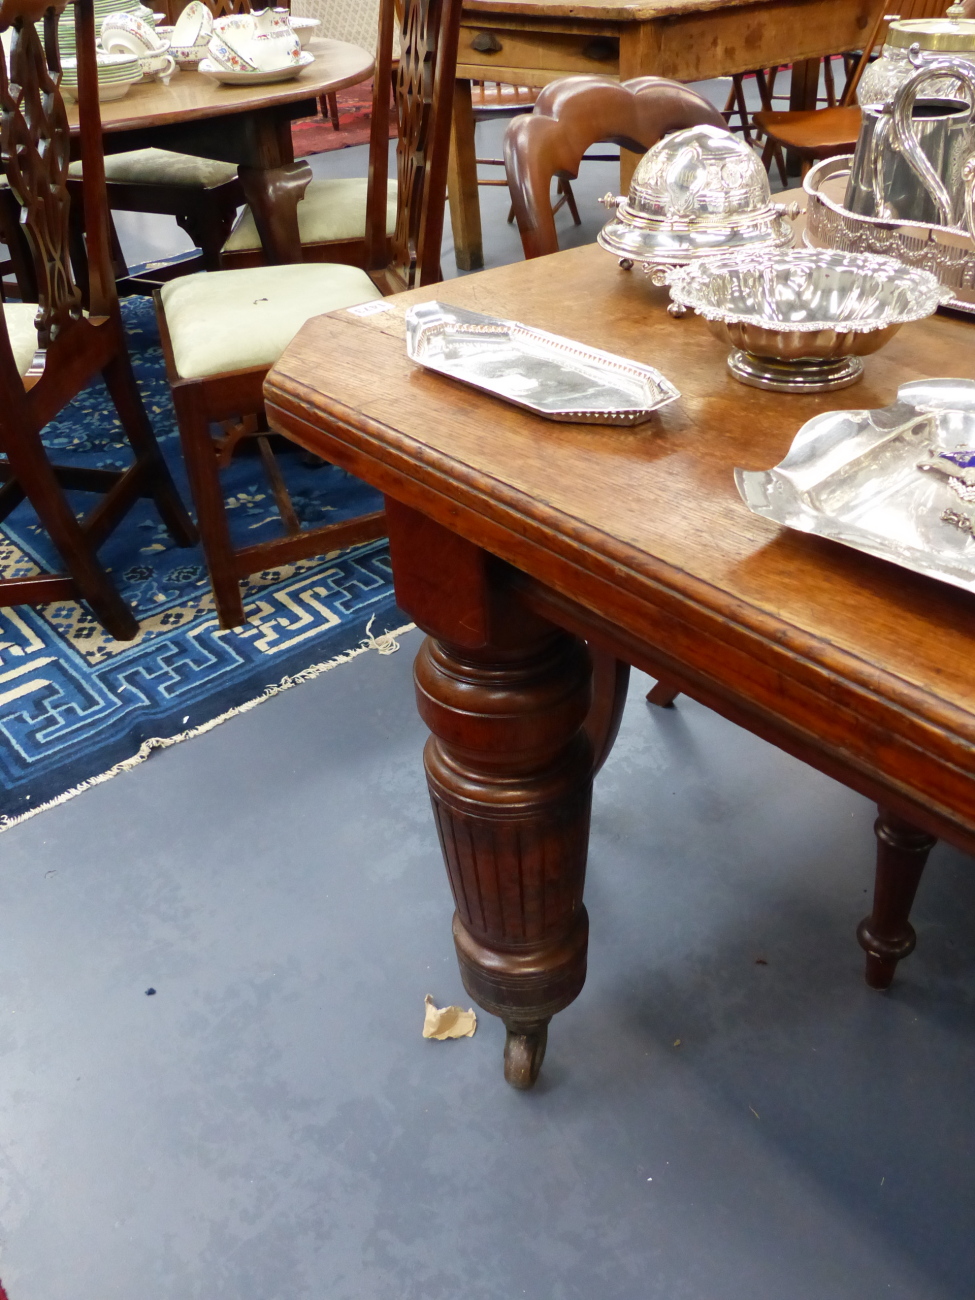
(223, 330)
(50, 350)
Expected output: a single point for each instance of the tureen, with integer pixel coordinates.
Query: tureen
(696, 193)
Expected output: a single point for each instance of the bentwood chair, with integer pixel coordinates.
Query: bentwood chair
(222, 331)
(49, 351)
(572, 114)
(825, 132)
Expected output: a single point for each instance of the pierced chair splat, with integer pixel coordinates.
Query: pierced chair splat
(222, 331)
(49, 351)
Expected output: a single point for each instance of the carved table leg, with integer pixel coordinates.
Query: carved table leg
(887, 935)
(273, 195)
(509, 767)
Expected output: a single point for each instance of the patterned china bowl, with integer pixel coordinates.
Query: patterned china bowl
(695, 193)
(261, 41)
(195, 24)
(127, 34)
(800, 321)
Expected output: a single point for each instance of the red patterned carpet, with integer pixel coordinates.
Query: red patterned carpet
(317, 135)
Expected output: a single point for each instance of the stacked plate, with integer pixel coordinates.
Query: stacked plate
(102, 9)
(116, 73)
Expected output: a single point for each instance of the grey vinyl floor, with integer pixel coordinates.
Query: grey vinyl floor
(726, 1113)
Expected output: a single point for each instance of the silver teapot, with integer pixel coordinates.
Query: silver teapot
(915, 156)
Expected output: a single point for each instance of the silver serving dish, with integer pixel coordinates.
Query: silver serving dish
(553, 376)
(695, 193)
(947, 252)
(800, 321)
(881, 481)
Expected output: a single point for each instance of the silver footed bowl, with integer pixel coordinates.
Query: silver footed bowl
(800, 321)
(695, 193)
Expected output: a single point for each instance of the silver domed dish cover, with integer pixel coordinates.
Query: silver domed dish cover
(695, 193)
(800, 321)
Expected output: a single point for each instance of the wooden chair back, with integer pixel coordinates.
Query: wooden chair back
(429, 31)
(35, 150)
(572, 114)
(71, 347)
(878, 31)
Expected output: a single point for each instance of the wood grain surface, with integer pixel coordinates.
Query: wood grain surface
(190, 96)
(640, 537)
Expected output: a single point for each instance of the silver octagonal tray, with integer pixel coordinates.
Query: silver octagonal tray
(898, 483)
(553, 376)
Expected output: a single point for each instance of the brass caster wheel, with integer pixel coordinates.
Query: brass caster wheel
(524, 1053)
(626, 264)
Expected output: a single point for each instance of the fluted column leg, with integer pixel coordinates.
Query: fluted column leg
(509, 766)
(887, 935)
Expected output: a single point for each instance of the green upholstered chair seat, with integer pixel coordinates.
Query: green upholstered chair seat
(19, 317)
(235, 320)
(330, 210)
(164, 167)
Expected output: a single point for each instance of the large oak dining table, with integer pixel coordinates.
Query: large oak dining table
(247, 125)
(532, 42)
(517, 542)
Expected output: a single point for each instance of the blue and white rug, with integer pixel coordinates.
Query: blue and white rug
(76, 705)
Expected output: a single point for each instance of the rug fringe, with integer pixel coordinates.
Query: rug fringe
(384, 644)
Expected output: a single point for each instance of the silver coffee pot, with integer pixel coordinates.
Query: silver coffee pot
(915, 156)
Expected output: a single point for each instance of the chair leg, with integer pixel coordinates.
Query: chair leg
(32, 470)
(211, 513)
(566, 188)
(887, 935)
(124, 392)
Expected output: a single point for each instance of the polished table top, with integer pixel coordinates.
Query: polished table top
(190, 96)
(645, 530)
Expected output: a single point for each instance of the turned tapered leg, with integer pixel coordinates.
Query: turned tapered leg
(509, 766)
(887, 935)
(509, 763)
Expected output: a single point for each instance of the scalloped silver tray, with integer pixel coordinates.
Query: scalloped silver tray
(553, 376)
(854, 477)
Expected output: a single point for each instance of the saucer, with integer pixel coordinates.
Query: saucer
(208, 68)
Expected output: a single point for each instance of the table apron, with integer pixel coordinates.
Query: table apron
(685, 47)
(751, 677)
(257, 138)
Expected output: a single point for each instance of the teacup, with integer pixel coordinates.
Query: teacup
(158, 67)
(124, 33)
(194, 27)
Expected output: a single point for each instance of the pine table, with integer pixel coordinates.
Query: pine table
(532, 42)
